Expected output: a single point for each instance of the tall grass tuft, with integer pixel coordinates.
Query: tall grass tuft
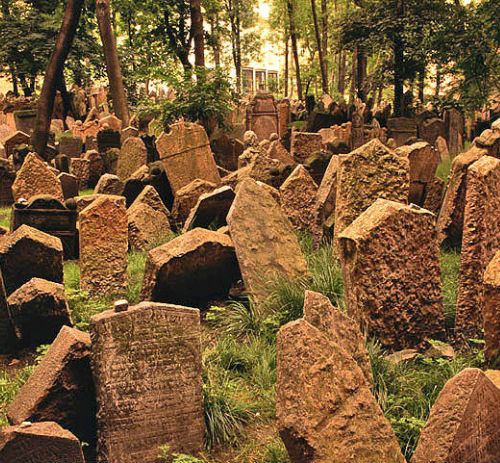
(450, 275)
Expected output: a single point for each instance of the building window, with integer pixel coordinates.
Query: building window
(260, 80)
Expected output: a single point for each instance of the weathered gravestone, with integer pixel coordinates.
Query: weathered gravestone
(96, 167)
(451, 218)
(148, 221)
(39, 442)
(489, 140)
(150, 395)
(265, 243)
(392, 275)
(463, 424)
(211, 209)
(80, 168)
(62, 163)
(129, 132)
(25, 120)
(61, 389)
(431, 129)
(38, 310)
(304, 144)
(7, 177)
(109, 184)
(69, 185)
(480, 242)
(187, 197)
(8, 340)
(133, 155)
(434, 194)
(17, 138)
(298, 198)
(200, 259)
(185, 154)
(35, 178)
(27, 253)
(442, 148)
(326, 412)
(401, 129)
(103, 246)
(71, 146)
(262, 116)
(108, 139)
(454, 123)
(491, 311)
(365, 175)
(424, 160)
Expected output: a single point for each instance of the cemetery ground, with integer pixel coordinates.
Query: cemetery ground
(239, 358)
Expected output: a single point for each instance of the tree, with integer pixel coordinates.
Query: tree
(197, 33)
(322, 64)
(295, 51)
(118, 95)
(54, 73)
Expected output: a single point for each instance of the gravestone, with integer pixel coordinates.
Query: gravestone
(39, 442)
(185, 154)
(491, 311)
(109, 184)
(96, 167)
(401, 129)
(325, 409)
(262, 116)
(71, 146)
(80, 168)
(16, 139)
(7, 177)
(451, 218)
(200, 259)
(463, 424)
(129, 132)
(431, 129)
(298, 198)
(151, 394)
(35, 178)
(69, 184)
(480, 242)
(107, 139)
(365, 175)
(304, 144)
(490, 141)
(103, 246)
(454, 124)
(61, 389)
(62, 163)
(8, 340)
(392, 274)
(265, 243)
(133, 155)
(187, 197)
(28, 253)
(211, 209)
(434, 193)
(442, 148)
(25, 120)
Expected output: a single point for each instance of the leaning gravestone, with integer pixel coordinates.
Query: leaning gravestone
(133, 155)
(69, 185)
(480, 241)
(304, 144)
(80, 168)
(491, 311)
(201, 259)
(463, 424)
(298, 198)
(8, 341)
(17, 138)
(150, 395)
(61, 389)
(185, 154)
(71, 146)
(262, 116)
(103, 246)
(265, 243)
(451, 218)
(35, 178)
(325, 409)
(39, 442)
(392, 275)
(371, 172)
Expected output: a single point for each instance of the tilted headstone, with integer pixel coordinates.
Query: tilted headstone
(185, 154)
(35, 178)
(133, 154)
(463, 424)
(490, 303)
(200, 259)
(103, 246)
(17, 138)
(187, 197)
(304, 144)
(480, 241)
(150, 395)
(107, 139)
(365, 175)
(61, 389)
(392, 274)
(265, 243)
(109, 184)
(37, 442)
(69, 184)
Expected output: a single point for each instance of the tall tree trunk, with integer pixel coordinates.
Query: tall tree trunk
(197, 33)
(66, 98)
(112, 63)
(354, 68)
(286, 66)
(15, 87)
(214, 29)
(341, 73)
(322, 66)
(398, 65)
(55, 68)
(421, 84)
(295, 51)
(438, 81)
(361, 64)
(324, 27)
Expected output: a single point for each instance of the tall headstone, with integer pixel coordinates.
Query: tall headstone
(265, 243)
(262, 116)
(185, 154)
(150, 395)
(491, 311)
(104, 246)
(454, 123)
(480, 242)
(133, 155)
(304, 144)
(392, 274)
(463, 424)
(365, 175)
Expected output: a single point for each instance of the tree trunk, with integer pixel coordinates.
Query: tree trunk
(55, 68)
(398, 66)
(438, 81)
(66, 98)
(421, 85)
(341, 73)
(15, 87)
(214, 28)
(197, 33)
(354, 68)
(286, 67)
(361, 63)
(324, 78)
(295, 51)
(112, 63)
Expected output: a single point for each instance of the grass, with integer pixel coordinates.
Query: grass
(10, 383)
(443, 169)
(450, 266)
(5, 213)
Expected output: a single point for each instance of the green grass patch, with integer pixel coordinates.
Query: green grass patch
(86, 193)
(443, 170)
(450, 275)
(5, 214)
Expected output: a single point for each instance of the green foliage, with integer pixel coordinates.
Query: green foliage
(10, 383)
(450, 267)
(406, 391)
(5, 213)
(443, 170)
(207, 99)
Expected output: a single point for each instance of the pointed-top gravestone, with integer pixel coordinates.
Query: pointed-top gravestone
(133, 155)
